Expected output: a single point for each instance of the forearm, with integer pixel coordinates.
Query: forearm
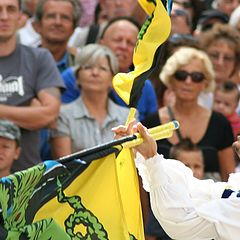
(30, 117)
(226, 163)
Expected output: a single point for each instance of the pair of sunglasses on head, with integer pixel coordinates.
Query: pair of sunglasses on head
(182, 75)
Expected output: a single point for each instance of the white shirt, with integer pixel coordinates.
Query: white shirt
(28, 36)
(188, 208)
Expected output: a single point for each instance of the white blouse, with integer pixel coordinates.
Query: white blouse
(186, 207)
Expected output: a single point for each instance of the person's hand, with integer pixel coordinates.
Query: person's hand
(236, 146)
(148, 148)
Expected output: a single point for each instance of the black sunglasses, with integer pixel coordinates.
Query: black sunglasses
(182, 75)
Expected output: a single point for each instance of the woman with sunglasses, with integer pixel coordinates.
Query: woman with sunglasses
(188, 73)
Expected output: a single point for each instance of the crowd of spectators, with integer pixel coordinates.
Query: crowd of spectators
(57, 60)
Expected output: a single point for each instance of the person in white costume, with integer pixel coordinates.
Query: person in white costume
(186, 207)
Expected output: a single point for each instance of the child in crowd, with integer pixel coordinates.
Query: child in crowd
(226, 100)
(190, 155)
(9, 146)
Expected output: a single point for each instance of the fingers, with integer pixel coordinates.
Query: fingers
(142, 130)
(122, 131)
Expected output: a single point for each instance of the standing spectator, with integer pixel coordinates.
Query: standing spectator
(226, 100)
(120, 35)
(112, 9)
(28, 34)
(27, 75)
(88, 121)
(9, 146)
(56, 21)
(88, 12)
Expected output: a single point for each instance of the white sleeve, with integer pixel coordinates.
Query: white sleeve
(176, 196)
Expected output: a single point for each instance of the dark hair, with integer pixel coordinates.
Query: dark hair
(77, 10)
(228, 87)
(185, 144)
(113, 20)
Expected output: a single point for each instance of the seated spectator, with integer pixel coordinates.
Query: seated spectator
(226, 100)
(87, 121)
(9, 146)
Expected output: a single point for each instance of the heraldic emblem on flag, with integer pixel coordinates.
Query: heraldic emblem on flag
(92, 194)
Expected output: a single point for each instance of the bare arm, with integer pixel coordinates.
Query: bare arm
(61, 146)
(35, 116)
(226, 162)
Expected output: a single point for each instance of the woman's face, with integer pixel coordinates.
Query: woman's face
(189, 81)
(223, 58)
(95, 77)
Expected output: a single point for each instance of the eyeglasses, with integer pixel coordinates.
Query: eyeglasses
(226, 59)
(182, 75)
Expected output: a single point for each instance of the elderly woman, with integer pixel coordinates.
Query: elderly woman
(88, 121)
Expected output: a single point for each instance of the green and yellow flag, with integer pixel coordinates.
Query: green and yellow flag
(93, 198)
(147, 53)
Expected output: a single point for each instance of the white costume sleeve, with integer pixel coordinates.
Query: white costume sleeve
(188, 208)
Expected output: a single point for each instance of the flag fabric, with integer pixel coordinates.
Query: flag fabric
(147, 52)
(76, 199)
(94, 198)
(94, 194)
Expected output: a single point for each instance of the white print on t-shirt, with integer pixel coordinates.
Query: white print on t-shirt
(9, 86)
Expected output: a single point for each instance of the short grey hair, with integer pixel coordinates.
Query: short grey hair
(89, 55)
(77, 10)
(183, 56)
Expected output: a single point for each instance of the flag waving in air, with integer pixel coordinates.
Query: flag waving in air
(146, 55)
(77, 199)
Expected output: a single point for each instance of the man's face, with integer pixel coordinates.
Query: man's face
(56, 25)
(117, 8)
(121, 38)
(9, 18)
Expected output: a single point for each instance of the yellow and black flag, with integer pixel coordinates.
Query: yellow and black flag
(147, 53)
(92, 198)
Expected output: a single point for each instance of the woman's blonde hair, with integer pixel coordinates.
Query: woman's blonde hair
(183, 56)
(90, 54)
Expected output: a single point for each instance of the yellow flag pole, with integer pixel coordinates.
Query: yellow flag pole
(159, 132)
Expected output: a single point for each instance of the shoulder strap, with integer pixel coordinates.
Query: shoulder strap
(172, 117)
(93, 33)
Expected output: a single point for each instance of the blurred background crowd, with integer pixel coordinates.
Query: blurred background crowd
(57, 61)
